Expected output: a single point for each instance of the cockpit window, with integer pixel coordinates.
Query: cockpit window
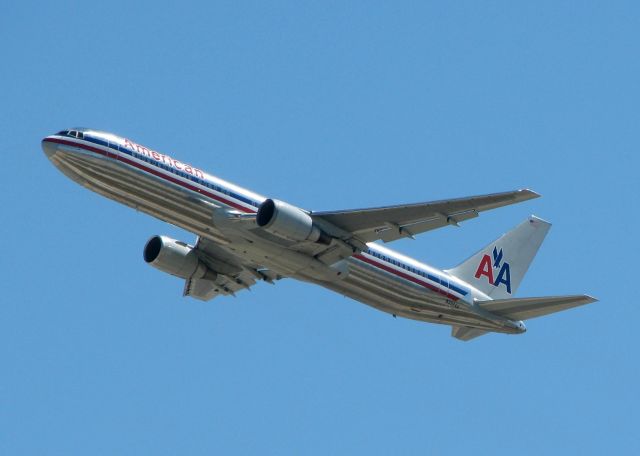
(73, 133)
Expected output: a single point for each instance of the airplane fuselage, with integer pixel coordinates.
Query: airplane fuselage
(186, 196)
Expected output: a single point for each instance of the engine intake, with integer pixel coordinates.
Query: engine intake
(289, 222)
(175, 258)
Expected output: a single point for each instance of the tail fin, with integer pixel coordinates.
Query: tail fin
(498, 269)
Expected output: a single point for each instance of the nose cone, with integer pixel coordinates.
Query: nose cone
(49, 147)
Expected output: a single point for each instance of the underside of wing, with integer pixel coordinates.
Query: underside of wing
(230, 273)
(395, 222)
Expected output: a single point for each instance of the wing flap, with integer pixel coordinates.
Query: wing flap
(527, 308)
(392, 231)
(201, 289)
(205, 289)
(232, 273)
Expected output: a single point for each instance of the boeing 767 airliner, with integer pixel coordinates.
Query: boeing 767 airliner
(243, 237)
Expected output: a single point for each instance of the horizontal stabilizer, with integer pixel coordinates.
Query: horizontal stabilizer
(526, 308)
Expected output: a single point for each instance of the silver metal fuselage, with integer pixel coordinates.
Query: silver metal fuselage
(185, 196)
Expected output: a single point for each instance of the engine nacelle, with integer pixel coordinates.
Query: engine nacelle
(289, 222)
(175, 258)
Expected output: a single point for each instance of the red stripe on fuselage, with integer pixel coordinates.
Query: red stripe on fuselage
(405, 276)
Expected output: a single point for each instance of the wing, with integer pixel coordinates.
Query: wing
(395, 222)
(232, 273)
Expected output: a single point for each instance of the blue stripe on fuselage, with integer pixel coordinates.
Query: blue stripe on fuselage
(417, 271)
(158, 164)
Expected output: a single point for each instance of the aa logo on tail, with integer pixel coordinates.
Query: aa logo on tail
(487, 267)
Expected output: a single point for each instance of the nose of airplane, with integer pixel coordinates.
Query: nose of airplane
(49, 147)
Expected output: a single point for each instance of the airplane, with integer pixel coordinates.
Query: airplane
(243, 237)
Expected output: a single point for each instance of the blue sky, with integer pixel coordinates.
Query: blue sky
(328, 105)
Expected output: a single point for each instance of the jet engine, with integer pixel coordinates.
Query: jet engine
(176, 258)
(289, 222)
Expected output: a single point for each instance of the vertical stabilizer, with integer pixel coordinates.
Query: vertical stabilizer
(498, 269)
